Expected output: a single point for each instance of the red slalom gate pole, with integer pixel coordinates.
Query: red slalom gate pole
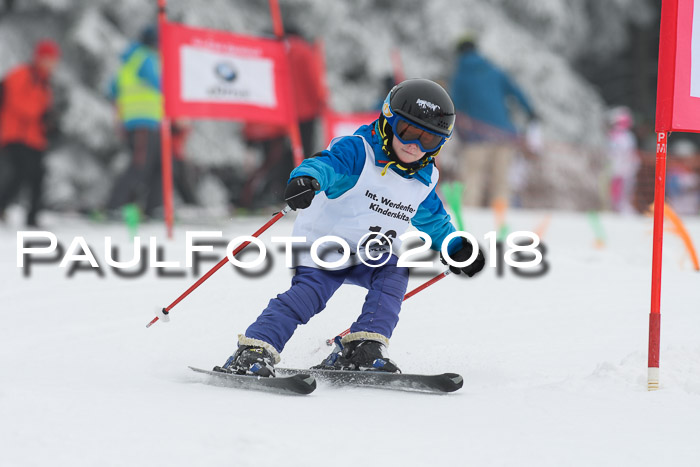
(655, 314)
(167, 174)
(165, 311)
(410, 294)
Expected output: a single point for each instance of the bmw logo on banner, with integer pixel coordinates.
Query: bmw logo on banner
(226, 71)
(226, 75)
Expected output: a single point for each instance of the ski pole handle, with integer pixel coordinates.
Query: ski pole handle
(410, 294)
(165, 311)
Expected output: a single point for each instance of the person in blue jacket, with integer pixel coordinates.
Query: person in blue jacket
(481, 92)
(380, 180)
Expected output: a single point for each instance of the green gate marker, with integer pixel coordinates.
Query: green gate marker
(597, 225)
(453, 194)
(132, 217)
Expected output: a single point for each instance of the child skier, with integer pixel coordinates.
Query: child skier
(376, 181)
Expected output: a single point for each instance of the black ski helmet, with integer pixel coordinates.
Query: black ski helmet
(423, 102)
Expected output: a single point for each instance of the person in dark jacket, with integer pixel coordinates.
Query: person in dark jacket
(25, 108)
(481, 92)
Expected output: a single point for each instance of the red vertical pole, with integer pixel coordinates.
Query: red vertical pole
(397, 66)
(165, 139)
(293, 126)
(655, 314)
(323, 77)
(321, 70)
(167, 167)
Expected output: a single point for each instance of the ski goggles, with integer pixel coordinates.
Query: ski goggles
(409, 133)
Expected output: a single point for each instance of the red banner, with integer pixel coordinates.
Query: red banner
(337, 124)
(678, 89)
(215, 74)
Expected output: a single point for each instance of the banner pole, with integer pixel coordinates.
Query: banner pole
(655, 314)
(165, 137)
(293, 126)
(167, 170)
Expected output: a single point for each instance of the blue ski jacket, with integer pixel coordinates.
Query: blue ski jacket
(338, 169)
(480, 90)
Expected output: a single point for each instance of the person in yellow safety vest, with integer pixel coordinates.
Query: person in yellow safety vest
(137, 93)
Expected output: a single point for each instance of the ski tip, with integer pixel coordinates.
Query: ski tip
(453, 382)
(304, 383)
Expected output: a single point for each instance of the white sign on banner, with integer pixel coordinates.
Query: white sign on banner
(695, 54)
(210, 76)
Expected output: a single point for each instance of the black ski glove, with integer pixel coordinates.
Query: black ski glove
(463, 254)
(301, 191)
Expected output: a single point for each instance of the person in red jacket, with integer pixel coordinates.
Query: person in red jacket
(25, 105)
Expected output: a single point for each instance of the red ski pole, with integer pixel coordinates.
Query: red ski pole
(410, 294)
(165, 311)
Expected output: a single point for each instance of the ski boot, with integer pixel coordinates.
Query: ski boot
(359, 354)
(253, 357)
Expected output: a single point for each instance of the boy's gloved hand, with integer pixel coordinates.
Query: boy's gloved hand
(463, 254)
(300, 192)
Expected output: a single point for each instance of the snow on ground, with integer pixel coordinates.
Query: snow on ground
(554, 367)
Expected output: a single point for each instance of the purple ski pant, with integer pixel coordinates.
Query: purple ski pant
(312, 288)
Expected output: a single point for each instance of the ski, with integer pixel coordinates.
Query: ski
(301, 382)
(441, 383)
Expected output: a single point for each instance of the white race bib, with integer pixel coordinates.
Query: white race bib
(375, 205)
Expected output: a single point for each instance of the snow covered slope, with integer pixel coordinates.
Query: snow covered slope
(554, 367)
